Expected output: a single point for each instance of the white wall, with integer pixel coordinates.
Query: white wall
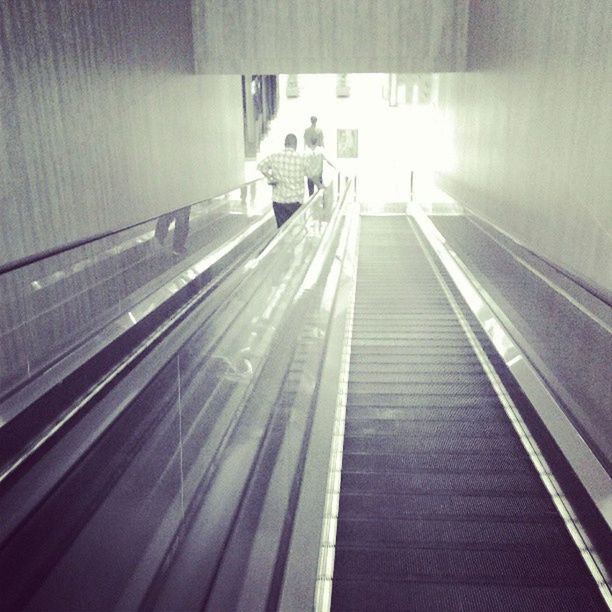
(317, 36)
(531, 128)
(103, 121)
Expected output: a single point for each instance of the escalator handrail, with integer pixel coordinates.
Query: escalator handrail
(247, 271)
(58, 462)
(69, 246)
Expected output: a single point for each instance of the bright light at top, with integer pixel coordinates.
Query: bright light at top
(397, 131)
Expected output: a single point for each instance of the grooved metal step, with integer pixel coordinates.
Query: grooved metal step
(440, 507)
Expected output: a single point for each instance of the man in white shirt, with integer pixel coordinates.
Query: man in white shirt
(313, 135)
(285, 171)
(315, 158)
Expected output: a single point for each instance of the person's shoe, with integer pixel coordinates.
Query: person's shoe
(179, 251)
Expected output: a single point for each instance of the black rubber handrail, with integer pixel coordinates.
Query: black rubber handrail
(79, 382)
(47, 253)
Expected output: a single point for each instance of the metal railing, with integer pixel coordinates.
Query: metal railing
(55, 301)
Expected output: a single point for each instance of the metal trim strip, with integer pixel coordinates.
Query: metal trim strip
(325, 569)
(301, 570)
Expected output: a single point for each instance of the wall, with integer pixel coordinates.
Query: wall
(103, 121)
(531, 129)
(299, 36)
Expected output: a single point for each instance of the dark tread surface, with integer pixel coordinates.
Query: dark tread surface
(440, 506)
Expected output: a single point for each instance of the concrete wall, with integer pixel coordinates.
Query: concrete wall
(531, 129)
(103, 121)
(291, 36)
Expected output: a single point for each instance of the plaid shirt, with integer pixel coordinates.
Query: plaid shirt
(288, 169)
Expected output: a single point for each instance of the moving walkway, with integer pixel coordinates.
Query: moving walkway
(327, 426)
(444, 500)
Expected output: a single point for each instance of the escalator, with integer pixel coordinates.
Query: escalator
(145, 495)
(55, 304)
(199, 478)
(74, 321)
(441, 506)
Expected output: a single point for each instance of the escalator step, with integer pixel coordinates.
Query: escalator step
(478, 534)
(418, 399)
(440, 507)
(367, 594)
(401, 427)
(432, 443)
(467, 413)
(441, 483)
(400, 506)
(383, 461)
(526, 566)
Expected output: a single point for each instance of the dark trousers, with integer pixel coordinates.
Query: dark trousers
(181, 227)
(283, 210)
(311, 183)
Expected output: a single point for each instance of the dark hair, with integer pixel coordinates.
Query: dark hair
(291, 141)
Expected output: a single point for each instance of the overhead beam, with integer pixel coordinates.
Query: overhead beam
(293, 36)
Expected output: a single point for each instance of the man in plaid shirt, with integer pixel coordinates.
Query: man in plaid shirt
(286, 171)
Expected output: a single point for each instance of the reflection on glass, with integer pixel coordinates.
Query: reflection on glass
(181, 229)
(179, 463)
(53, 305)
